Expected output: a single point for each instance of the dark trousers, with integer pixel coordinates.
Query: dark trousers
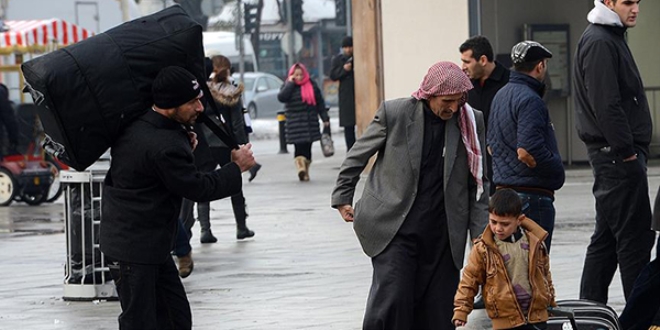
(644, 301)
(623, 221)
(303, 149)
(541, 209)
(151, 296)
(414, 281)
(223, 157)
(349, 136)
(182, 244)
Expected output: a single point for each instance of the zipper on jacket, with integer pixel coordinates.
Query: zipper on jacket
(508, 281)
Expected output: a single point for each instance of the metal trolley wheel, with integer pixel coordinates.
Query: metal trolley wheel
(55, 190)
(34, 198)
(252, 110)
(7, 187)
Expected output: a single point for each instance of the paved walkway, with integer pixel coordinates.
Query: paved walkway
(304, 269)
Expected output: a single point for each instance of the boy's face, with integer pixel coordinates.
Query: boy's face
(504, 226)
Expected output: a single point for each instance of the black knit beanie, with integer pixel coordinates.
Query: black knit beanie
(347, 42)
(174, 86)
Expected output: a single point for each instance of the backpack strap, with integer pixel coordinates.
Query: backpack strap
(221, 131)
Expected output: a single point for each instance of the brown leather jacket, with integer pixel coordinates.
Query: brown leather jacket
(486, 267)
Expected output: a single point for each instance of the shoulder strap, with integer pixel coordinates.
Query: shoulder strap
(221, 131)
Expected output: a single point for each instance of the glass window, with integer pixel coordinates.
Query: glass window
(274, 83)
(262, 84)
(248, 82)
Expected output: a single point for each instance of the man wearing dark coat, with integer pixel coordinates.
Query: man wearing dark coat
(342, 71)
(424, 192)
(151, 171)
(7, 122)
(614, 122)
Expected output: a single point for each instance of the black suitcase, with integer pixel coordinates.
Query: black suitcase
(89, 91)
(582, 315)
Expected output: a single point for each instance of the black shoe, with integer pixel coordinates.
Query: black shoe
(479, 302)
(253, 171)
(244, 233)
(207, 237)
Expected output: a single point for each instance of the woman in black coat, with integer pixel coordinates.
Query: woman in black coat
(303, 104)
(228, 98)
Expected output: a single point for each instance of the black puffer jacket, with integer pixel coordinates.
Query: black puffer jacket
(611, 106)
(302, 120)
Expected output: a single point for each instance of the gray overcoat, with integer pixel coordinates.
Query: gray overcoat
(396, 134)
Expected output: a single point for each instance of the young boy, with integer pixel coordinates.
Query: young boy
(511, 263)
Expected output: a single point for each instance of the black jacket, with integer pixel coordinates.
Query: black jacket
(302, 120)
(481, 97)
(611, 106)
(346, 90)
(152, 168)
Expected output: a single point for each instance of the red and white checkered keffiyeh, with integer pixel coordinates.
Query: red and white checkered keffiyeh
(446, 78)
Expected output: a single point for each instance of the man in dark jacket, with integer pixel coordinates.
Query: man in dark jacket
(342, 70)
(487, 77)
(522, 139)
(614, 122)
(152, 169)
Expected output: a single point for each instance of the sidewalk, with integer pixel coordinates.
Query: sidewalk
(304, 269)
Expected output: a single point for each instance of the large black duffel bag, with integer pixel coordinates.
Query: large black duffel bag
(89, 91)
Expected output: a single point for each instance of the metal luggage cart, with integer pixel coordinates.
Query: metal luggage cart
(86, 274)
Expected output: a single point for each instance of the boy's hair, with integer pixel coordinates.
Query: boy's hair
(505, 202)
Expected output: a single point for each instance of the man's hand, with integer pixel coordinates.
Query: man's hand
(631, 158)
(243, 157)
(348, 66)
(193, 140)
(526, 158)
(459, 323)
(346, 212)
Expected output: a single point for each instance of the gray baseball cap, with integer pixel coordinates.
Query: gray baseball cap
(529, 51)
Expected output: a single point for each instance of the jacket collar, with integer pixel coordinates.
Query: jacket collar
(527, 224)
(499, 72)
(160, 121)
(603, 15)
(525, 79)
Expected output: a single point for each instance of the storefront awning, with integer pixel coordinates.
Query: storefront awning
(37, 36)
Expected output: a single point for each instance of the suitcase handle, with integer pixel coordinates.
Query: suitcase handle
(564, 312)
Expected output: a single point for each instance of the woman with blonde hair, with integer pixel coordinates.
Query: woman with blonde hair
(304, 104)
(229, 101)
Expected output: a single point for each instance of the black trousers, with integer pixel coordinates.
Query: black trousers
(623, 221)
(151, 296)
(303, 149)
(349, 136)
(414, 280)
(222, 156)
(642, 306)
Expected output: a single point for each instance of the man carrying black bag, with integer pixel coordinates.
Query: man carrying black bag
(152, 169)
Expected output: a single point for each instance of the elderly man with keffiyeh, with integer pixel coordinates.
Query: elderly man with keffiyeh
(425, 191)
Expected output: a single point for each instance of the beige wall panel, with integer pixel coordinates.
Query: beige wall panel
(417, 34)
(643, 43)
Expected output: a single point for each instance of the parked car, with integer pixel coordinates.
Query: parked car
(260, 96)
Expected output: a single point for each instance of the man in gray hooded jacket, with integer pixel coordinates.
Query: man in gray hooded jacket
(614, 122)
